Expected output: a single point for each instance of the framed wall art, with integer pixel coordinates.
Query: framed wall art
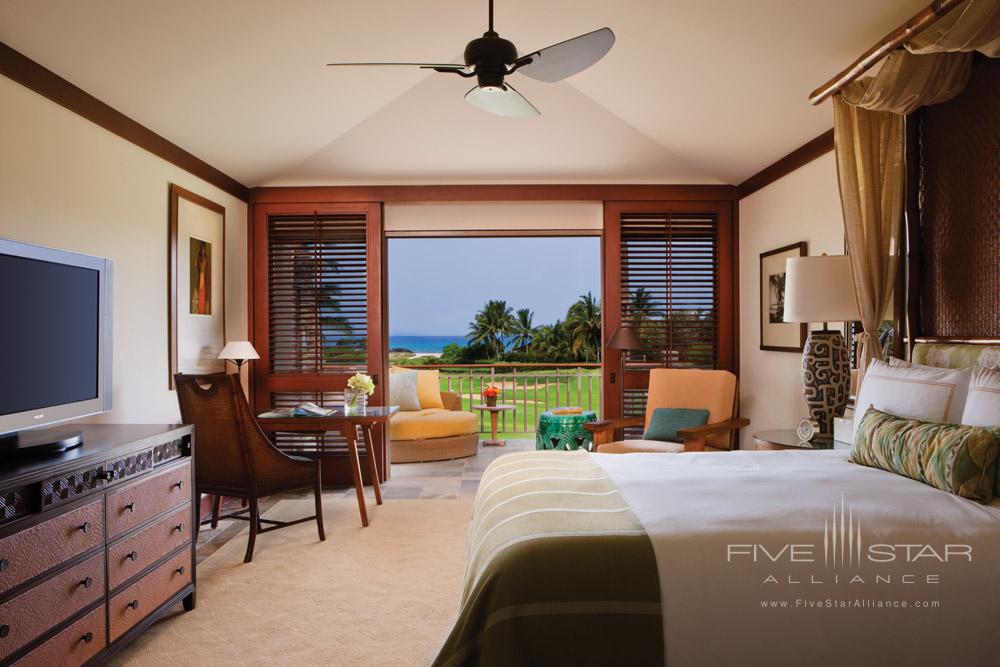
(775, 334)
(196, 283)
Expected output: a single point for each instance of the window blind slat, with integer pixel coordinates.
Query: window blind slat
(669, 293)
(317, 289)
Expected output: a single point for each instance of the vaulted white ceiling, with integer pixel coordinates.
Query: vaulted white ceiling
(693, 90)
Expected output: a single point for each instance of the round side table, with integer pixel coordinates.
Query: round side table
(565, 431)
(494, 411)
(787, 438)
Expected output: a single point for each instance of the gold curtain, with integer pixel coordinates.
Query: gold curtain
(870, 174)
(973, 26)
(869, 128)
(907, 82)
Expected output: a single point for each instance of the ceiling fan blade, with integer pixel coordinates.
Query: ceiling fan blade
(423, 65)
(502, 100)
(556, 62)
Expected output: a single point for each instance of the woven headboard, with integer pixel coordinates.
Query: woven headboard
(955, 355)
(959, 211)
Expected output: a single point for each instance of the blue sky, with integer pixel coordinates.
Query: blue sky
(437, 285)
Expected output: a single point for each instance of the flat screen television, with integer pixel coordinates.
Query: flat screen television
(55, 344)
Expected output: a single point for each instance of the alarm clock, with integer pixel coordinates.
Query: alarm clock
(806, 430)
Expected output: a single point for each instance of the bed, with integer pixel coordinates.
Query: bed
(777, 558)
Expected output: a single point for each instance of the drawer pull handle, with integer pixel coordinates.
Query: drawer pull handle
(4, 631)
(87, 638)
(179, 484)
(85, 527)
(131, 506)
(134, 604)
(87, 583)
(4, 564)
(133, 556)
(179, 527)
(180, 570)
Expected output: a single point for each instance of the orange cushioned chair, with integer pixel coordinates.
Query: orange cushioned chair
(715, 391)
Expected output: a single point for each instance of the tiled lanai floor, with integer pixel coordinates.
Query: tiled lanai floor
(408, 481)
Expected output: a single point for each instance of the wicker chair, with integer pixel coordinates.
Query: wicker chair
(234, 458)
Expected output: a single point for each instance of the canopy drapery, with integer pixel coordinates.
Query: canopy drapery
(870, 134)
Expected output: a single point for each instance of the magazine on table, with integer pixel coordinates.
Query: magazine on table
(300, 410)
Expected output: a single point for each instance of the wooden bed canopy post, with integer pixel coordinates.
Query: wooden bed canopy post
(895, 39)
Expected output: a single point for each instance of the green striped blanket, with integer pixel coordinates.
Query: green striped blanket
(560, 570)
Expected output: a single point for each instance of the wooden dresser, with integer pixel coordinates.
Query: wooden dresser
(95, 544)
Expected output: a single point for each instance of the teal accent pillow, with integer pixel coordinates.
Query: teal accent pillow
(667, 421)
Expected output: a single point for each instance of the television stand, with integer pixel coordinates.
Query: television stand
(41, 441)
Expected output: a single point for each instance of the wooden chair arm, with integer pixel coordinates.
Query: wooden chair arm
(604, 429)
(695, 437)
(606, 424)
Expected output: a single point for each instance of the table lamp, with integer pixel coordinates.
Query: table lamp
(238, 352)
(821, 289)
(624, 339)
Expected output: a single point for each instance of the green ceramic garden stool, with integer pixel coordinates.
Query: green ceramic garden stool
(565, 431)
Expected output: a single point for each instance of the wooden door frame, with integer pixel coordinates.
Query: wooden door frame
(611, 307)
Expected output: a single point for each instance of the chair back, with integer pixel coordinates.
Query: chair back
(695, 389)
(214, 405)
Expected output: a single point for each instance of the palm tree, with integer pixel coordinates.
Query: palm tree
(552, 343)
(583, 322)
(641, 305)
(490, 325)
(523, 330)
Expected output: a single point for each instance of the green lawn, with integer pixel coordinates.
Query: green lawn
(567, 389)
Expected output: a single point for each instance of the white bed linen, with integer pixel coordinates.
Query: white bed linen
(698, 507)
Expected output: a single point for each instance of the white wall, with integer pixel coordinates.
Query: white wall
(492, 216)
(69, 184)
(802, 206)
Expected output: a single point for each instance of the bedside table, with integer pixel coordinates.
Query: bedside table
(786, 438)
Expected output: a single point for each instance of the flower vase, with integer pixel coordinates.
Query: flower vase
(355, 400)
(491, 401)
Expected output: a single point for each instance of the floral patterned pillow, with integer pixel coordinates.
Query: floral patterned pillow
(951, 457)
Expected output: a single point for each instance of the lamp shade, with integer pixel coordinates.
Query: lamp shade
(624, 338)
(820, 289)
(239, 350)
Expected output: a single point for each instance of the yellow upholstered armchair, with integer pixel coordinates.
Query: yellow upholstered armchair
(715, 391)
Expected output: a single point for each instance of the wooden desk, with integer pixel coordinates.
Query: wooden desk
(347, 424)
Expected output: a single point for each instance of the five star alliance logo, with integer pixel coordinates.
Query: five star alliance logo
(842, 544)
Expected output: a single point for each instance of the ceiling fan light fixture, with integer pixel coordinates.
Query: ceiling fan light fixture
(491, 58)
(502, 100)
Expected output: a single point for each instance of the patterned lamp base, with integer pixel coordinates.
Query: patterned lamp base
(826, 377)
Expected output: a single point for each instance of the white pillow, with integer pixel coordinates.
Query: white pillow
(403, 391)
(982, 407)
(914, 392)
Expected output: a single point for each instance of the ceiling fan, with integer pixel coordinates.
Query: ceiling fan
(491, 58)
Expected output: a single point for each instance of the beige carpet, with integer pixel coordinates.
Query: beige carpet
(382, 595)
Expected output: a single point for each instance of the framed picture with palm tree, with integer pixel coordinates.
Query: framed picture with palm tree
(776, 335)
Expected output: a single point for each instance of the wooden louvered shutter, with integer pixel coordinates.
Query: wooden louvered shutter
(668, 276)
(317, 308)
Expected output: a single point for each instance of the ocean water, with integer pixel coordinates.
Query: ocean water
(424, 344)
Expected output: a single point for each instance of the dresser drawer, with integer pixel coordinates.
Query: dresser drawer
(135, 504)
(73, 646)
(38, 609)
(34, 550)
(137, 552)
(143, 597)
